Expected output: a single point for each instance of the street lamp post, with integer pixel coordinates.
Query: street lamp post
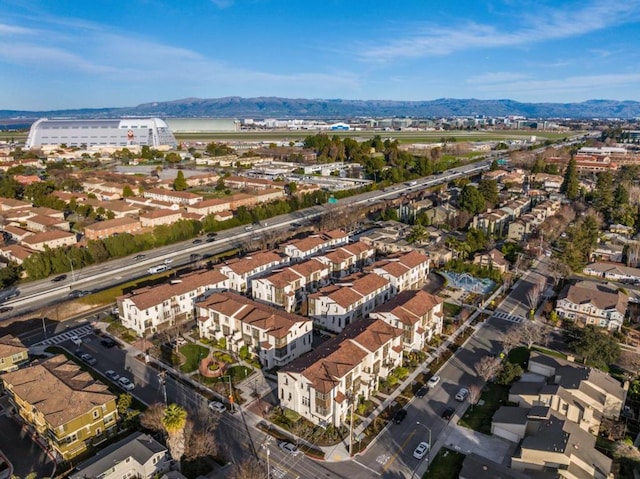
(428, 450)
(268, 464)
(73, 275)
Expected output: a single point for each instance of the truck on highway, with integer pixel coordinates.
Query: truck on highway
(411, 183)
(158, 269)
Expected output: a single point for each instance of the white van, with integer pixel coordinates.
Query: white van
(158, 269)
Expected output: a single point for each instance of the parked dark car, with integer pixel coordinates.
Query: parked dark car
(108, 342)
(448, 413)
(422, 392)
(400, 415)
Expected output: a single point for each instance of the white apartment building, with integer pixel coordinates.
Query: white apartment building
(348, 259)
(240, 271)
(317, 386)
(312, 245)
(288, 287)
(599, 304)
(274, 336)
(336, 306)
(175, 197)
(151, 309)
(417, 313)
(403, 270)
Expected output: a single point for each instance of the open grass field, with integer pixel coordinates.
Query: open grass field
(401, 136)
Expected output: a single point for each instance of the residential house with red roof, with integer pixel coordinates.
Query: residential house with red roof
(241, 271)
(403, 270)
(312, 245)
(317, 385)
(274, 336)
(348, 259)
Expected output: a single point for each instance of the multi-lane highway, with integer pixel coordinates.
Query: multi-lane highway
(32, 295)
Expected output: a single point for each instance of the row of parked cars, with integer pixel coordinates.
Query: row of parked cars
(123, 382)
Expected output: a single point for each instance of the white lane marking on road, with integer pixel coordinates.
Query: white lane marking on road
(383, 458)
(59, 338)
(367, 467)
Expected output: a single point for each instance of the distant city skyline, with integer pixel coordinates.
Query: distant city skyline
(103, 53)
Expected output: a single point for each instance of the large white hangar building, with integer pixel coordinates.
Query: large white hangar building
(152, 132)
(203, 125)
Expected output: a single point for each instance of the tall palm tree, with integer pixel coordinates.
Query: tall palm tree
(174, 421)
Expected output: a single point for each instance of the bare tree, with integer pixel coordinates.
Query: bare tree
(535, 292)
(249, 469)
(152, 417)
(475, 392)
(510, 339)
(532, 333)
(558, 270)
(487, 367)
(200, 439)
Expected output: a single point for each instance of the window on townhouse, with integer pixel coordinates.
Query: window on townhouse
(96, 414)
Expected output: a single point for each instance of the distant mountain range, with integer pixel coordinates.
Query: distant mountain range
(282, 108)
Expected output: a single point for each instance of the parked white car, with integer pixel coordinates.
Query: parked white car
(421, 450)
(75, 340)
(462, 395)
(217, 406)
(126, 384)
(433, 381)
(289, 448)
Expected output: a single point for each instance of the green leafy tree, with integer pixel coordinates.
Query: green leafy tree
(570, 185)
(127, 192)
(180, 183)
(509, 373)
(489, 191)
(124, 403)
(594, 346)
(494, 165)
(471, 200)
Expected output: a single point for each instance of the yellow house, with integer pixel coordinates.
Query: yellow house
(12, 354)
(62, 405)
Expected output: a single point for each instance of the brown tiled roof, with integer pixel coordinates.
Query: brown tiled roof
(603, 296)
(10, 345)
(59, 389)
(114, 223)
(352, 288)
(150, 296)
(211, 202)
(160, 213)
(410, 306)
(175, 194)
(308, 267)
(47, 236)
(333, 359)
(17, 251)
(242, 266)
(46, 220)
(357, 248)
(275, 322)
(280, 279)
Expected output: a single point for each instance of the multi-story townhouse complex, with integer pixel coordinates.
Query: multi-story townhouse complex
(288, 287)
(208, 207)
(154, 308)
(403, 270)
(348, 259)
(155, 218)
(312, 245)
(516, 208)
(492, 222)
(62, 405)
(12, 354)
(15, 252)
(42, 223)
(138, 455)
(175, 197)
(492, 259)
(522, 227)
(558, 446)
(613, 272)
(274, 336)
(587, 302)
(241, 271)
(51, 239)
(16, 233)
(583, 395)
(8, 204)
(336, 306)
(417, 313)
(546, 209)
(318, 385)
(252, 183)
(104, 229)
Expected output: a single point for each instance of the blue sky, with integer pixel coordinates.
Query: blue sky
(92, 53)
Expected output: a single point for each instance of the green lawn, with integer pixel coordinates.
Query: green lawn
(109, 296)
(446, 465)
(451, 310)
(239, 373)
(193, 353)
(550, 352)
(479, 417)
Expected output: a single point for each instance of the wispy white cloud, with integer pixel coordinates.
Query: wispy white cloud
(14, 30)
(541, 26)
(50, 57)
(496, 77)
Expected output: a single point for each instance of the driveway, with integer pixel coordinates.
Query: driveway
(25, 455)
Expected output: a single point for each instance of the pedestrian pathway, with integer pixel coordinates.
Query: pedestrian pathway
(80, 332)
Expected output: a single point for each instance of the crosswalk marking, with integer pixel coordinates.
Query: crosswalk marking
(59, 338)
(507, 317)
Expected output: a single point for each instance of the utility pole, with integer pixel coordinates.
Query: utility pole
(352, 401)
(163, 384)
